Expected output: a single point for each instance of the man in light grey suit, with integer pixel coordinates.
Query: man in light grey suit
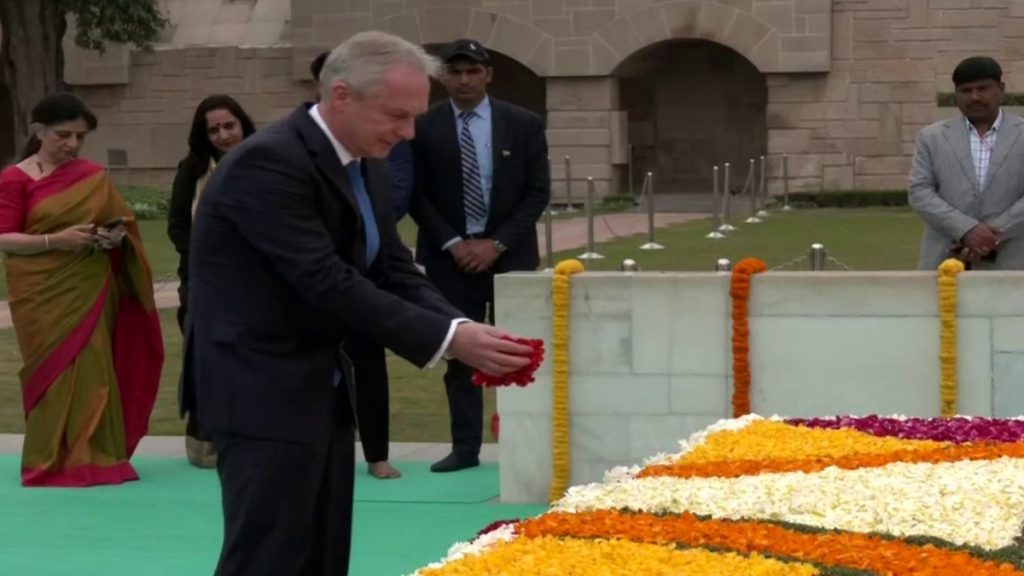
(967, 178)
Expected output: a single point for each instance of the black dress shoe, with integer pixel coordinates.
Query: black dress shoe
(455, 462)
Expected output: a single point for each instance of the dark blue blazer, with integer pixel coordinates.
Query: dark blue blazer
(400, 164)
(279, 280)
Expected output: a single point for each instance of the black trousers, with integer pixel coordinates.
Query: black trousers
(192, 426)
(287, 506)
(373, 411)
(472, 294)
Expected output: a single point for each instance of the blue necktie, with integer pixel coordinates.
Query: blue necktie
(355, 177)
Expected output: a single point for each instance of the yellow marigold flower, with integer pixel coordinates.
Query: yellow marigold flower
(568, 267)
(951, 267)
(770, 440)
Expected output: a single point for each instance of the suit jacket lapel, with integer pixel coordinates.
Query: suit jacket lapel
(448, 139)
(499, 145)
(329, 165)
(956, 135)
(1009, 132)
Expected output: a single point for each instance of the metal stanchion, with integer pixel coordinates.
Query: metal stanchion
(649, 189)
(591, 253)
(785, 184)
(548, 242)
(630, 265)
(753, 219)
(569, 208)
(762, 189)
(726, 227)
(716, 216)
(817, 256)
(551, 171)
(629, 175)
(723, 265)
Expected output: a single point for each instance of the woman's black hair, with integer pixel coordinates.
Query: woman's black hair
(57, 109)
(200, 149)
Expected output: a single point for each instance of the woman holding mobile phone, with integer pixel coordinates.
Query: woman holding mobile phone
(81, 299)
(218, 125)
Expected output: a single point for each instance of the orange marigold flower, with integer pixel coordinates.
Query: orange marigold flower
(573, 557)
(839, 549)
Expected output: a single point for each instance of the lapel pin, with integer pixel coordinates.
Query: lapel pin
(506, 153)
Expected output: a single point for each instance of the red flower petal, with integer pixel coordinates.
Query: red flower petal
(522, 377)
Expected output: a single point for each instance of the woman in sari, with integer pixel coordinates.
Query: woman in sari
(218, 125)
(81, 299)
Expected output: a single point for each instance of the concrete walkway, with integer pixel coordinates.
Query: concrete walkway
(174, 447)
(566, 234)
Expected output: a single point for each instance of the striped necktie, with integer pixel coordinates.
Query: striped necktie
(476, 210)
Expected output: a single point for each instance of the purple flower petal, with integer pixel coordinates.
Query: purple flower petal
(959, 430)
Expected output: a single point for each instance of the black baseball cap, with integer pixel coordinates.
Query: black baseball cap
(466, 48)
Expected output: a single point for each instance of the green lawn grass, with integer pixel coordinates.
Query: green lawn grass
(864, 239)
(419, 410)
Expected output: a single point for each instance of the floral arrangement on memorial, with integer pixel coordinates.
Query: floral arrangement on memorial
(774, 496)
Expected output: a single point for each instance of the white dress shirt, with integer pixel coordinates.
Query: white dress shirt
(345, 157)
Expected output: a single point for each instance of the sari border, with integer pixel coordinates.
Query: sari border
(64, 177)
(81, 476)
(39, 381)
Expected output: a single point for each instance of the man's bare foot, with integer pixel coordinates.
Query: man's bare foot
(383, 470)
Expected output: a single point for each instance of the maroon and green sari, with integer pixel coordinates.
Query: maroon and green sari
(89, 336)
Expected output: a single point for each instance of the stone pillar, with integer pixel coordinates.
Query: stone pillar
(585, 123)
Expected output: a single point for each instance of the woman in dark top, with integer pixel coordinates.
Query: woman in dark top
(219, 125)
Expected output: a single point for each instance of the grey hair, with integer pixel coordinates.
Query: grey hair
(365, 58)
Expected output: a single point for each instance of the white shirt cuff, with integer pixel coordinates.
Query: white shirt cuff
(442, 352)
(451, 243)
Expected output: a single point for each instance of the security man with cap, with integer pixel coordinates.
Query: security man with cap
(967, 177)
(481, 184)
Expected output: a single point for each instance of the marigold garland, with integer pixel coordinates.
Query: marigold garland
(560, 376)
(851, 550)
(948, 272)
(740, 292)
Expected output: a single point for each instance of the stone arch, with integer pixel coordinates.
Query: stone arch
(690, 105)
(519, 40)
(749, 36)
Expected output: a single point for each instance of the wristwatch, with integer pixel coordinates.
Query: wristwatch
(499, 246)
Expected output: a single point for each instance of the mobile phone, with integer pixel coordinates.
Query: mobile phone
(113, 223)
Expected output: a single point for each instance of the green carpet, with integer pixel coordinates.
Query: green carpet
(419, 484)
(169, 523)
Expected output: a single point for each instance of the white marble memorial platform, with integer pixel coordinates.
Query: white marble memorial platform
(650, 358)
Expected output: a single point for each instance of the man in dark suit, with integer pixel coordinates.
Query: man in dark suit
(369, 362)
(482, 183)
(295, 248)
